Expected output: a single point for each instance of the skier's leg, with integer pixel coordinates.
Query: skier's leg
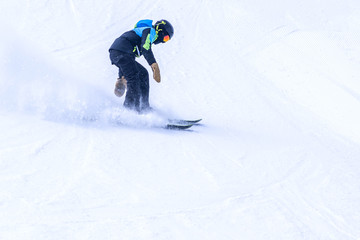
(128, 67)
(144, 87)
(120, 85)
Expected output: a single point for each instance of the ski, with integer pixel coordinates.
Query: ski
(180, 124)
(184, 122)
(176, 126)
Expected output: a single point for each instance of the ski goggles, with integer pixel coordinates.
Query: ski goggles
(166, 38)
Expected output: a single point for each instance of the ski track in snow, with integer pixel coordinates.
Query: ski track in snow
(275, 157)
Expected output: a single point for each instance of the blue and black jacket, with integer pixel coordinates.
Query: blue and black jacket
(138, 41)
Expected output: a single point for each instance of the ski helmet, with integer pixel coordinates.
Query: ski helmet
(166, 28)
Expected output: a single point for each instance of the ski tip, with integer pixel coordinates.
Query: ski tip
(178, 126)
(198, 120)
(184, 122)
(193, 121)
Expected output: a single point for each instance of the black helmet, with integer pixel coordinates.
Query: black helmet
(164, 25)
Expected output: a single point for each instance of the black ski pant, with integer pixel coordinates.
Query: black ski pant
(137, 77)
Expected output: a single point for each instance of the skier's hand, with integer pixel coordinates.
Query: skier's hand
(120, 86)
(124, 81)
(156, 72)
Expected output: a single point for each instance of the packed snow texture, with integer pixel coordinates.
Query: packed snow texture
(277, 155)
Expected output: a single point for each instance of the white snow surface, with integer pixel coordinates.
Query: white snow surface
(277, 155)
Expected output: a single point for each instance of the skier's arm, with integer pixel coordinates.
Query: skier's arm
(146, 47)
(148, 54)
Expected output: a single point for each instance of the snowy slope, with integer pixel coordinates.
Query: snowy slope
(277, 155)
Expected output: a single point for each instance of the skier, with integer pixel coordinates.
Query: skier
(133, 77)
